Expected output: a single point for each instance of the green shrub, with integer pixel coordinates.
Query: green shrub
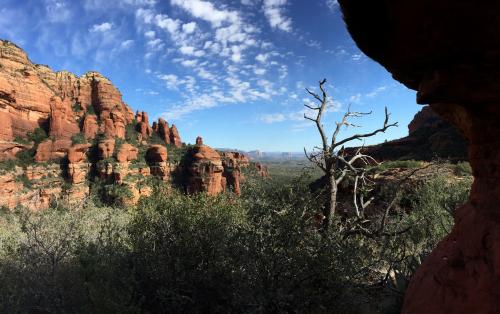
(77, 107)
(26, 157)
(78, 139)
(38, 135)
(25, 181)
(21, 140)
(403, 164)
(463, 169)
(7, 165)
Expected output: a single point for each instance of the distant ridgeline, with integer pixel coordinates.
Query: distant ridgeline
(429, 137)
(63, 137)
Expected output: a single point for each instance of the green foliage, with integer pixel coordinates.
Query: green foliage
(200, 254)
(38, 135)
(78, 139)
(176, 154)
(131, 133)
(90, 109)
(26, 157)
(76, 107)
(25, 181)
(402, 164)
(463, 168)
(21, 140)
(7, 165)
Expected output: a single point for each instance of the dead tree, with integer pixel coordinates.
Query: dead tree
(332, 159)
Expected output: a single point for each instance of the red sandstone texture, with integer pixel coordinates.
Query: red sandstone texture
(205, 170)
(90, 108)
(449, 52)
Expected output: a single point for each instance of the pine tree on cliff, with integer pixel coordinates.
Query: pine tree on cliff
(332, 159)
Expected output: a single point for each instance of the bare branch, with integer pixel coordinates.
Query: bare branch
(361, 136)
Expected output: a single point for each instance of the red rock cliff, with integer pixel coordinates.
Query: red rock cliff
(449, 52)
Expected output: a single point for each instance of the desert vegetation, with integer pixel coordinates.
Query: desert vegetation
(259, 253)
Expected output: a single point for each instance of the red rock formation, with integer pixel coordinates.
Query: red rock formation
(156, 157)
(232, 174)
(62, 119)
(261, 170)
(106, 148)
(24, 98)
(90, 126)
(34, 96)
(77, 153)
(127, 153)
(205, 170)
(448, 51)
(156, 153)
(52, 149)
(8, 150)
(175, 139)
(163, 130)
(78, 167)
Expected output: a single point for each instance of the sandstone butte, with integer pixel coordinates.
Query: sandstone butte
(90, 134)
(449, 52)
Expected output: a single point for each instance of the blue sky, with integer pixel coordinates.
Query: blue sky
(232, 71)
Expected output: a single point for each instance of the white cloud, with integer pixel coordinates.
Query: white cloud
(259, 71)
(189, 28)
(274, 12)
(144, 15)
(332, 4)
(376, 91)
(189, 63)
(206, 11)
(355, 98)
(126, 44)
(356, 56)
(262, 57)
(174, 82)
(58, 11)
(166, 23)
(104, 27)
(150, 34)
(272, 118)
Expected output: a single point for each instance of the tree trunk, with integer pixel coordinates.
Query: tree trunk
(331, 204)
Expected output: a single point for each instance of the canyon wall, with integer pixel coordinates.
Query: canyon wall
(63, 136)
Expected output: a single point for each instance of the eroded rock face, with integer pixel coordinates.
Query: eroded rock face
(127, 153)
(106, 148)
(175, 138)
(90, 126)
(449, 52)
(156, 157)
(205, 170)
(52, 149)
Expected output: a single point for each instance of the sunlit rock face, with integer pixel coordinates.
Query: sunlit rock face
(205, 170)
(449, 52)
